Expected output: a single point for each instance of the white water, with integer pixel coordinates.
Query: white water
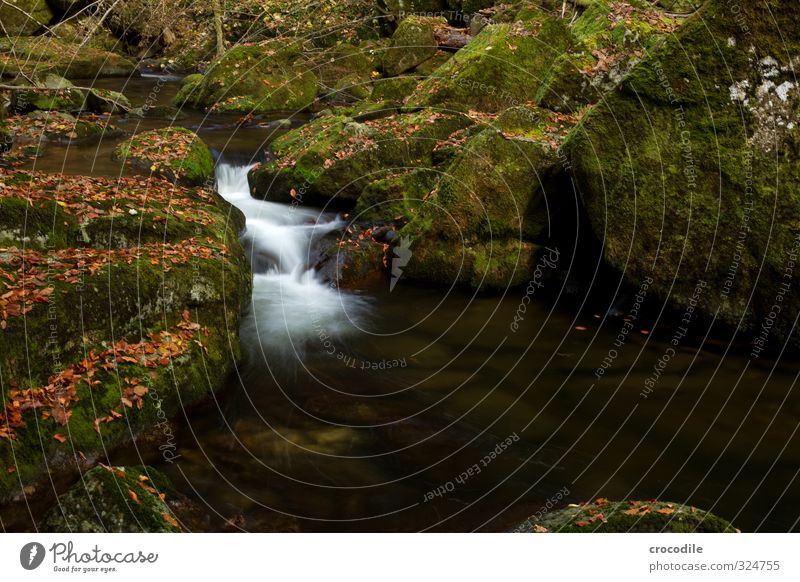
(293, 311)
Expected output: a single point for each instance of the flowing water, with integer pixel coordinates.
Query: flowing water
(350, 409)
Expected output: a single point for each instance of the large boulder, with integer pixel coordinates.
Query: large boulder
(332, 159)
(119, 305)
(610, 40)
(688, 171)
(115, 500)
(257, 79)
(24, 17)
(488, 220)
(413, 43)
(174, 153)
(39, 55)
(504, 65)
(603, 516)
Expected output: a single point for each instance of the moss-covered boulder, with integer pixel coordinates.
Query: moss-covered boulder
(332, 159)
(689, 172)
(55, 126)
(486, 221)
(53, 93)
(603, 516)
(187, 95)
(114, 500)
(258, 79)
(610, 40)
(120, 302)
(344, 71)
(24, 17)
(412, 43)
(38, 55)
(504, 65)
(107, 101)
(174, 153)
(395, 197)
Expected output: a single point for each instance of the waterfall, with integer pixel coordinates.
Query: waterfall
(293, 311)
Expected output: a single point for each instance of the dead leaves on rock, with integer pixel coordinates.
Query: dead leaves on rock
(89, 198)
(55, 398)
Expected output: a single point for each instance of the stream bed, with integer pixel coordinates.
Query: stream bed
(420, 408)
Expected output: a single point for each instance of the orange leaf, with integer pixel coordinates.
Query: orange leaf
(60, 438)
(170, 520)
(133, 496)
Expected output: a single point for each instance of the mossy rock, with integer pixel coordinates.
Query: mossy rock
(177, 247)
(341, 70)
(39, 55)
(394, 89)
(56, 126)
(603, 516)
(607, 48)
(395, 197)
(504, 65)
(187, 94)
(114, 500)
(258, 79)
(692, 201)
(24, 17)
(47, 99)
(483, 223)
(429, 66)
(402, 8)
(107, 101)
(412, 43)
(174, 153)
(333, 158)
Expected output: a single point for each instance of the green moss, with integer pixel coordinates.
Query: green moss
(39, 55)
(333, 158)
(395, 197)
(503, 65)
(394, 89)
(174, 153)
(412, 43)
(258, 79)
(6, 138)
(627, 517)
(481, 225)
(24, 17)
(123, 300)
(114, 499)
(187, 95)
(694, 198)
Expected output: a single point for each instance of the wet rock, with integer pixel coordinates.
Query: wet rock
(107, 101)
(115, 499)
(353, 260)
(603, 516)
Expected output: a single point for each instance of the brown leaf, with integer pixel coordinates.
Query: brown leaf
(60, 438)
(170, 520)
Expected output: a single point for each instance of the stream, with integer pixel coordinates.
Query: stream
(369, 411)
